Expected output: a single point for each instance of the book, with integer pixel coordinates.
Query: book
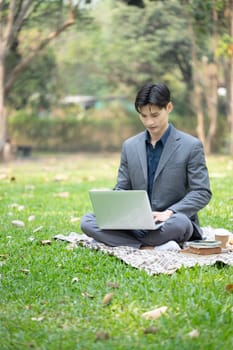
(202, 250)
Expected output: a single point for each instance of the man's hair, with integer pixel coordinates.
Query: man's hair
(151, 93)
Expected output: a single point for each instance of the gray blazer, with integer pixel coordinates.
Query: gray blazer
(181, 181)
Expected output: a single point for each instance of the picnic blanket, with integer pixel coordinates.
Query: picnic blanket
(152, 261)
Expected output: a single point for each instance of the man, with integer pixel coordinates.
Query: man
(167, 163)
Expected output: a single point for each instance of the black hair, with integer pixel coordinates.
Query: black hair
(151, 93)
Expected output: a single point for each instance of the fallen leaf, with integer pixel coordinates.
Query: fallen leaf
(87, 295)
(154, 314)
(62, 194)
(194, 333)
(39, 319)
(101, 336)
(18, 223)
(20, 207)
(31, 218)
(74, 219)
(45, 242)
(113, 284)
(108, 297)
(31, 239)
(75, 279)
(37, 229)
(229, 287)
(3, 176)
(4, 256)
(26, 271)
(60, 177)
(151, 330)
(13, 205)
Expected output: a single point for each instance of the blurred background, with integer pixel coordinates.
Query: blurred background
(69, 71)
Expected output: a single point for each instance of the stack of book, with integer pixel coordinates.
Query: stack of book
(203, 247)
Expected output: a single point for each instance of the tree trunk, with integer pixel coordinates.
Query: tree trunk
(2, 103)
(197, 89)
(230, 87)
(212, 104)
(212, 91)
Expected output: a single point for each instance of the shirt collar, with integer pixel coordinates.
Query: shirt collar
(163, 139)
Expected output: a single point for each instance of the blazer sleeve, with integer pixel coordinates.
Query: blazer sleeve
(123, 178)
(198, 188)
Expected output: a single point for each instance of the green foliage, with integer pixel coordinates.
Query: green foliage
(51, 296)
(36, 86)
(73, 130)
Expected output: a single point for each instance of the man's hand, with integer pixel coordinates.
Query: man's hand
(162, 215)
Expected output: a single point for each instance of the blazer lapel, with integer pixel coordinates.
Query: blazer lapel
(141, 150)
(169, 148)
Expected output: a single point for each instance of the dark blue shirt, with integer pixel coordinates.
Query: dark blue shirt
(153, 156)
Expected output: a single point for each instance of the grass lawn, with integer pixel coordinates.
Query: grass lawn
(51, 297)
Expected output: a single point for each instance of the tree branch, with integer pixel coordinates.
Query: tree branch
(19, 19)
(9, 25)
(25, 61)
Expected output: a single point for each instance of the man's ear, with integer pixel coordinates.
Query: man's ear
(169, 107)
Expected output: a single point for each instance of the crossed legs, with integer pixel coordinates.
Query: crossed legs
(178, 228)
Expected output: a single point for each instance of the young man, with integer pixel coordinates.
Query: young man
(167, 163)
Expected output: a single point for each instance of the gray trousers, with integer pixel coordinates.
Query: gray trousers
(178, 228)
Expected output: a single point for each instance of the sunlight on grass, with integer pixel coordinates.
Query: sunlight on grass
(51, 297)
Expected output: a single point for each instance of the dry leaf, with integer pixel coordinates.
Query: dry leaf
(4, 256)
(45, 242)
(39, 319)
(31, 218)
(75, 279)
(113, 284)
(3, 176)
(13, 205)
(151, 330)
(26, 271)
(60, 177)
(101, 336)
(62, 194)
(74, 219)
(154, 314)
(37, 229)
(194, 333)
(20, 207)
(87, 295)
(18, 223)
(229, 287)
(108, 297)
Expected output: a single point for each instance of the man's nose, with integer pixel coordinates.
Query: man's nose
(150, 121)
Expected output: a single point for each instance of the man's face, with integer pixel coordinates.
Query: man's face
(155, 119)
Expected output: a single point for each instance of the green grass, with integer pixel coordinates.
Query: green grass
(43, 307)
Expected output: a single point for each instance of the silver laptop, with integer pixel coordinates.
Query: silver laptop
(126, 210)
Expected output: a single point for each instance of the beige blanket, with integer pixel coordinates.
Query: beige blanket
(152, 261)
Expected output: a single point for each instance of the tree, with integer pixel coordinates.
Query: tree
(16, 18)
